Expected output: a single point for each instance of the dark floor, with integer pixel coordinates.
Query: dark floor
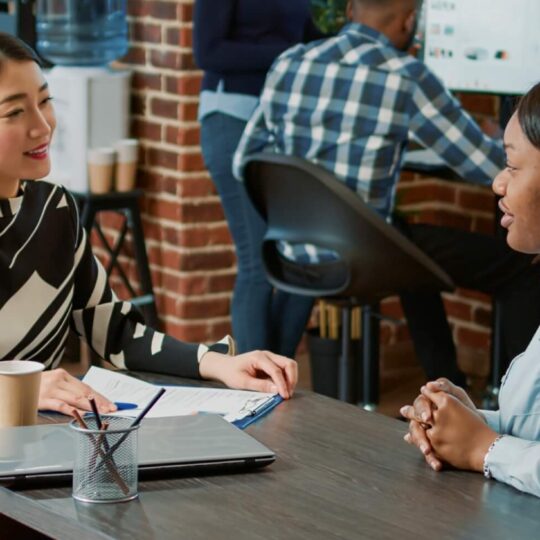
(401, 376)
(400, 381)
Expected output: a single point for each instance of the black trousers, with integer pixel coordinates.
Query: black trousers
(478, 262)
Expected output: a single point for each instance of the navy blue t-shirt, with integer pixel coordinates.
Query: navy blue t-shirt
(236, 41)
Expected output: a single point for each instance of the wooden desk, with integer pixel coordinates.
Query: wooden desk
(341, 473)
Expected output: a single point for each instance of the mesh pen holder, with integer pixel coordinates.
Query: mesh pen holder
(106, 462)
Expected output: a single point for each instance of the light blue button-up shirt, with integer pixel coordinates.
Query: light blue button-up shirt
(239, 106)
(515, 459)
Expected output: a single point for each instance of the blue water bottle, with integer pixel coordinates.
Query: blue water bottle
(81, 32)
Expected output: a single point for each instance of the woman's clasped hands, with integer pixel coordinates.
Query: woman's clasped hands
(447, 428)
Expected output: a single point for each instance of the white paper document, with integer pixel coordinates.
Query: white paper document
(177, 400)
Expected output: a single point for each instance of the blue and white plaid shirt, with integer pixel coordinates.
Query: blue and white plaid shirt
(350, 104)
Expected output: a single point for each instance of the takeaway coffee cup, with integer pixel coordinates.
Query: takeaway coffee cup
(101, 169)
(127, 156)
(19, 392)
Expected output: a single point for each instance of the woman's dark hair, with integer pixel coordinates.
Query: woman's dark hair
(528, 111)
(12, 48)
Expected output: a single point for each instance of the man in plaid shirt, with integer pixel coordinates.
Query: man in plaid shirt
(351, 103)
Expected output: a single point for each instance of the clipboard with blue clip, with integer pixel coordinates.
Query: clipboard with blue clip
(252, 410)
(254, 414)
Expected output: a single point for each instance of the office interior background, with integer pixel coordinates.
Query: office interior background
(190, 250)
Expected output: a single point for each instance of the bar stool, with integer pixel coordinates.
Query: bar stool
(304, 203)
(125, 203)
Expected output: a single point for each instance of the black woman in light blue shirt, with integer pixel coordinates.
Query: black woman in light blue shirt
(444, 423)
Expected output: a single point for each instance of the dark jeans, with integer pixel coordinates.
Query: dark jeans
(261, 317)
(479, 262)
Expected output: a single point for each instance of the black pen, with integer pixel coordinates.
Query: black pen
(135, 422)
(94, 408)
(144, 412)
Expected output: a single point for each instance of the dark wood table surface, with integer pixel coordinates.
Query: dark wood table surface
(341, 473)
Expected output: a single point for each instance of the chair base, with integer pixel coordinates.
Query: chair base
(349, 389)
(371, 407)
(126, 204)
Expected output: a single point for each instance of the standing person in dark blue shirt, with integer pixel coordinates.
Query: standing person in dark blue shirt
(235, 42)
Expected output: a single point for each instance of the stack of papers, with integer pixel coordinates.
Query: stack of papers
(237, 406)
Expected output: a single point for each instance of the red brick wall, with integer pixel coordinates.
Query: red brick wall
(191, 255)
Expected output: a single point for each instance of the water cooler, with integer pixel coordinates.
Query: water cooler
(92, 110)
(91, 100)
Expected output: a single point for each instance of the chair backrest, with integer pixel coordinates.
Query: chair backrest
(304, 203)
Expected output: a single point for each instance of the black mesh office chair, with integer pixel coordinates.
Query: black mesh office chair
(304, 203)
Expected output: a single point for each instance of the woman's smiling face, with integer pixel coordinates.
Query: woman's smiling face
(27, 123)
(519, 186)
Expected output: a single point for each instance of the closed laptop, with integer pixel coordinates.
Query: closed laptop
(189, 444)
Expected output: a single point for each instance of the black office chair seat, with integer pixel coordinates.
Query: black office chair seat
(303, 203)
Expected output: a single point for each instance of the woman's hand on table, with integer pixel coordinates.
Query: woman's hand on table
(61, 392)
(261, 371)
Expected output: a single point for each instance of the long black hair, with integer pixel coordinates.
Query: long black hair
(12, 48)
(528, 112)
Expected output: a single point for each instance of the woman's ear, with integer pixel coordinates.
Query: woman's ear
(409, 23)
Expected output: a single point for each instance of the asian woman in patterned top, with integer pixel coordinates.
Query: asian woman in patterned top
(51, 282)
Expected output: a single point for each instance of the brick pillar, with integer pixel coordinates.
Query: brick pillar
(189, 246)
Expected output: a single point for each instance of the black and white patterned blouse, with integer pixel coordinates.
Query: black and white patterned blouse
(50, 281)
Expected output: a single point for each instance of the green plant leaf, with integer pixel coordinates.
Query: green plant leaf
(329, 15)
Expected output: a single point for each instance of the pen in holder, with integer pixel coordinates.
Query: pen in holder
(99, 477)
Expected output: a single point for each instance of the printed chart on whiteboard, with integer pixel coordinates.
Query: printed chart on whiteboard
(483, 45)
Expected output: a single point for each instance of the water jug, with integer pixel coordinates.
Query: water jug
(81, 32)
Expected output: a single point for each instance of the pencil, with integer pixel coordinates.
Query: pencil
(79, 419)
